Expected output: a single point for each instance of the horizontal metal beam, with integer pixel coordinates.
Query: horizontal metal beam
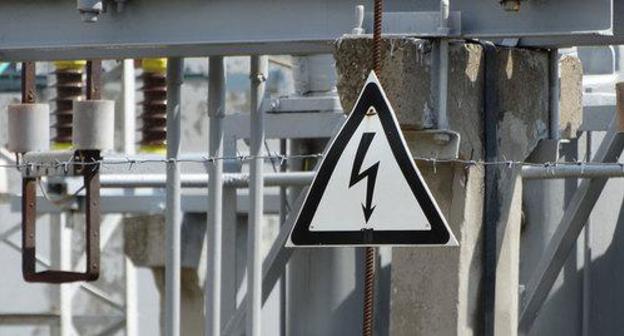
(291, 125)
(603, 170)
(151, 203)
(150, 28)
(29, 319)
(232, 180)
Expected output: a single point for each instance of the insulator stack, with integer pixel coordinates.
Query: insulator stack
(154, 117)
(69, 87)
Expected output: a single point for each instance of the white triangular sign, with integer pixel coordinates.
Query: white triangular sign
(367, 190)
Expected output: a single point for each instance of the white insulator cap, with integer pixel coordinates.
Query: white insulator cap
(94, 125)
(29, 128)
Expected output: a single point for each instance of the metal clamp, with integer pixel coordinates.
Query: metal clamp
(91, 174)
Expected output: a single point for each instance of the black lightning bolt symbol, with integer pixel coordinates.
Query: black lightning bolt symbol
(370, 173)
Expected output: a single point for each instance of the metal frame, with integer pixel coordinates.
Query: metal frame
(173, 214)
(92, 212)
(157, 28)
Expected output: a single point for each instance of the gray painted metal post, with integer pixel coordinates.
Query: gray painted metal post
(129, 126)
(259, 71)
(216, 112)
(173, 217)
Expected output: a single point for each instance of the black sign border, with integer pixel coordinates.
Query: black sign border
(302, 236)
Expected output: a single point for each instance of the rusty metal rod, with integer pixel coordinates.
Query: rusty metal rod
(371, 252)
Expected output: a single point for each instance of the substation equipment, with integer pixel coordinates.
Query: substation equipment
(139, 29)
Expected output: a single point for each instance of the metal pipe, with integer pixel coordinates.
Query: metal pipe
(554, 92)
(443, 53)
(587, 256)
(129, 98)
(173, 216)
(216, 113)
(258, 73)
(230, 180)
(574, 171)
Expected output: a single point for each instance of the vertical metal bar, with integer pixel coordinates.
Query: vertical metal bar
(442, 65)
(554, 92)
(94, 79)
(91, 178)
(129, 101)
(66, 294)
(216, 113)
(442, 83)
(491, 204)
(173, 217)
(587, 254)
(368, 304)
(259, 71)
(29, 92)
(283, 195)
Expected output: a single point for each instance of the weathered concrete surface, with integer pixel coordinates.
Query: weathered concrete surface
(438, 291)
(571, 105)
(145, 239)
(191, 297)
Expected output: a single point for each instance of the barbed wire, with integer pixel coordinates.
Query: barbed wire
(131, 161)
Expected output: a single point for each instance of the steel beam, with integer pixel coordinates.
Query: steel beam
(258, 74)
(565, 237)
(231, 180)
(157, 28)
(216, 113)
(288, 125)
(581, 170)
(147, 204)
(173, 211)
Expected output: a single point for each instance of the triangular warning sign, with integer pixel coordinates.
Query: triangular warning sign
(367, 190)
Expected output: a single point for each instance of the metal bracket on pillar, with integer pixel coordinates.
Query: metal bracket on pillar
(439, 144)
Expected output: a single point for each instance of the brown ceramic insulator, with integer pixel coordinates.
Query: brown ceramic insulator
(69, 87)
(154, 117)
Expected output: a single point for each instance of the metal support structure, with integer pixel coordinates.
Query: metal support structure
(129, 136)
(588, 171)
(94, 79)
(443, 65)
(258, 73)
(574, 218)
(587, 255)
(230, 180)
(173, 216)
(491, 211)
(216, 113)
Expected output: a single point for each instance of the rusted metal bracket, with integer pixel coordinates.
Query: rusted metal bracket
(91, 175)
(86, 164)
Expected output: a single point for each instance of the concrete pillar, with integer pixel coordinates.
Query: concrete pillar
(144, 238)
(438, 291)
